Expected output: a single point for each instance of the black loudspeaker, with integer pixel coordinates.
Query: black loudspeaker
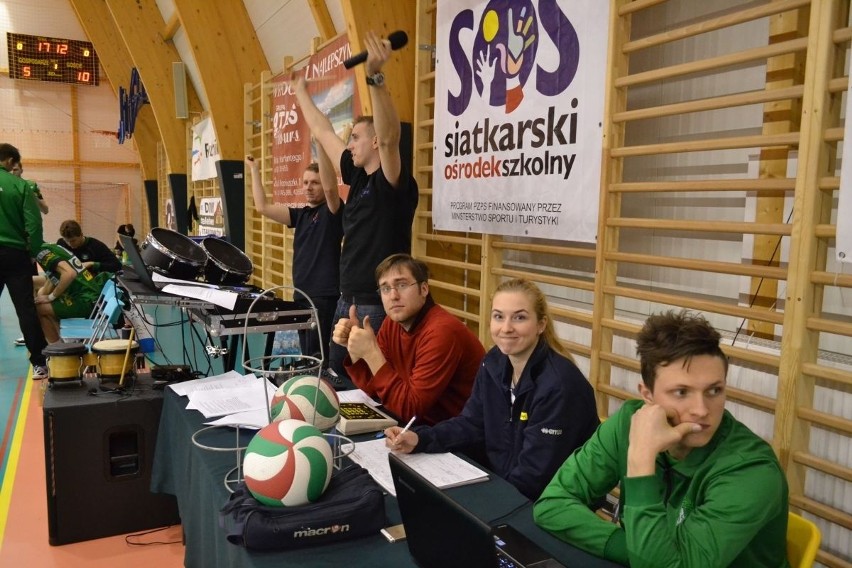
(99, 448)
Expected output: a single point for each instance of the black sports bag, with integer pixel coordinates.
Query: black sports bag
(352, 506)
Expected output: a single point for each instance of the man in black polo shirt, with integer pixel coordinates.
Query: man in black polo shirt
(382, 195)
(316, 244)
(94, 254)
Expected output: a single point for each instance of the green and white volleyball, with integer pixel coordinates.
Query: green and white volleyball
(287, 463)
(306, 398)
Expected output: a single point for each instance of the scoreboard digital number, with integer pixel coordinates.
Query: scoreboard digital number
(40, 58)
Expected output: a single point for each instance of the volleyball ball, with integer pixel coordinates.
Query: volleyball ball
(287, 463)
(306, 398)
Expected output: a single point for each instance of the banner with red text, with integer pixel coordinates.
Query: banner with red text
(519, 102)
(332, 88)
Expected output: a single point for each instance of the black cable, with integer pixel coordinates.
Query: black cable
(753, 298)
(128, 538)
(517, 509)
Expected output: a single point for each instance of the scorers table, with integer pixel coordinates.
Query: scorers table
(196, 476)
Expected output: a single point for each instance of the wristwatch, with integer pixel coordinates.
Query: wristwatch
(376, 80)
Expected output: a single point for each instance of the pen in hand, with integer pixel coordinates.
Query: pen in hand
(404, 430)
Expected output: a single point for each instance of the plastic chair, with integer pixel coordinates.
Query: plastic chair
(803, 538)
(106, 320)
(82, 328)
(95, 329)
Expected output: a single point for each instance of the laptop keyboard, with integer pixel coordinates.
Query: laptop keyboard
(503, 561)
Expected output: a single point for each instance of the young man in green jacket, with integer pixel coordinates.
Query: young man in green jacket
(698, 488)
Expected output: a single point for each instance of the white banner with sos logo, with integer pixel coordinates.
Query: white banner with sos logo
(519, 102)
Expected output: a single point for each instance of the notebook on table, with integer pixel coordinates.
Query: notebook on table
(442, 534)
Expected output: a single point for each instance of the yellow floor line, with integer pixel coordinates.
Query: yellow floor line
(14, 455)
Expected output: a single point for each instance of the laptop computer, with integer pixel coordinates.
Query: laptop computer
(442, 534)
(137, 268)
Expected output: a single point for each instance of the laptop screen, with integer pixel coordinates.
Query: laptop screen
(440, 533)
(136, 262)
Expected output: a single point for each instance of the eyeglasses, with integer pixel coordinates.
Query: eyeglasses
(401, 287)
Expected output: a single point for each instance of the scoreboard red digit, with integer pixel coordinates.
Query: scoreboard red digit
(41, 58)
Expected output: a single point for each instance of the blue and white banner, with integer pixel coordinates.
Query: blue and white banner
(519, 102)
(205, 150)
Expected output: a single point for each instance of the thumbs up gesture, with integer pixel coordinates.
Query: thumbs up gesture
(362, 339)
(342, 328)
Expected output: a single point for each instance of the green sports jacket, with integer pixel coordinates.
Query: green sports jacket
(724, 505)
(20, 218)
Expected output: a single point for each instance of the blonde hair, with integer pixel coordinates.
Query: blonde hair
(542, 311)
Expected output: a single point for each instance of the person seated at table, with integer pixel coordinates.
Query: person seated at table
(423, 361)
(127, 230)
(94, 254)
(698, 488)
(69, 289)
(531, 406)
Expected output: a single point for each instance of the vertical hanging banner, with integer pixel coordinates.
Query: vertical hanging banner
(519, 101)
(205, 150)
(211, 217)
(332, 87)
(843, 239)
(171, 219)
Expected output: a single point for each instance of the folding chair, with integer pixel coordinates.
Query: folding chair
(106, 320)
(82, 328)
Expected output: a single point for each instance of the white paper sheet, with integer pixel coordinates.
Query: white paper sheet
(225, 380)
(221, 402)
(253, 419)
(356, 395)
(443, 470)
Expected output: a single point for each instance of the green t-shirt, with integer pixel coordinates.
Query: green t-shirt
(85, 288)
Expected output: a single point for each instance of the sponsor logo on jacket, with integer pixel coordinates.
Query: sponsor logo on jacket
(552, 431)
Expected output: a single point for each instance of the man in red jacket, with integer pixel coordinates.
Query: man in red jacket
(423, 361)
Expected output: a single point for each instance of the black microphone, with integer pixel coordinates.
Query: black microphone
(397, 39)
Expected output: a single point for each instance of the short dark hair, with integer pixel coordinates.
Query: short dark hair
(312, 167)
(70, 229)
(127, 229)
(418, 268)
(8, 151)
(672, 336)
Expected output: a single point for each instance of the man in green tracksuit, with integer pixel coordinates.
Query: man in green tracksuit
(698, 488)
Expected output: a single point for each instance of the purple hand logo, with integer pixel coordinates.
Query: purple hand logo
(504, 53)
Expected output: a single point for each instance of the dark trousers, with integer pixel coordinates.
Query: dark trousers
(311, 339)
(16, 274)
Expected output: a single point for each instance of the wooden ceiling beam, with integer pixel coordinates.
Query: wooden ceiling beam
(228, 55)
(382, 18)
(322, 17)
(117, 63)
(172, 27)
